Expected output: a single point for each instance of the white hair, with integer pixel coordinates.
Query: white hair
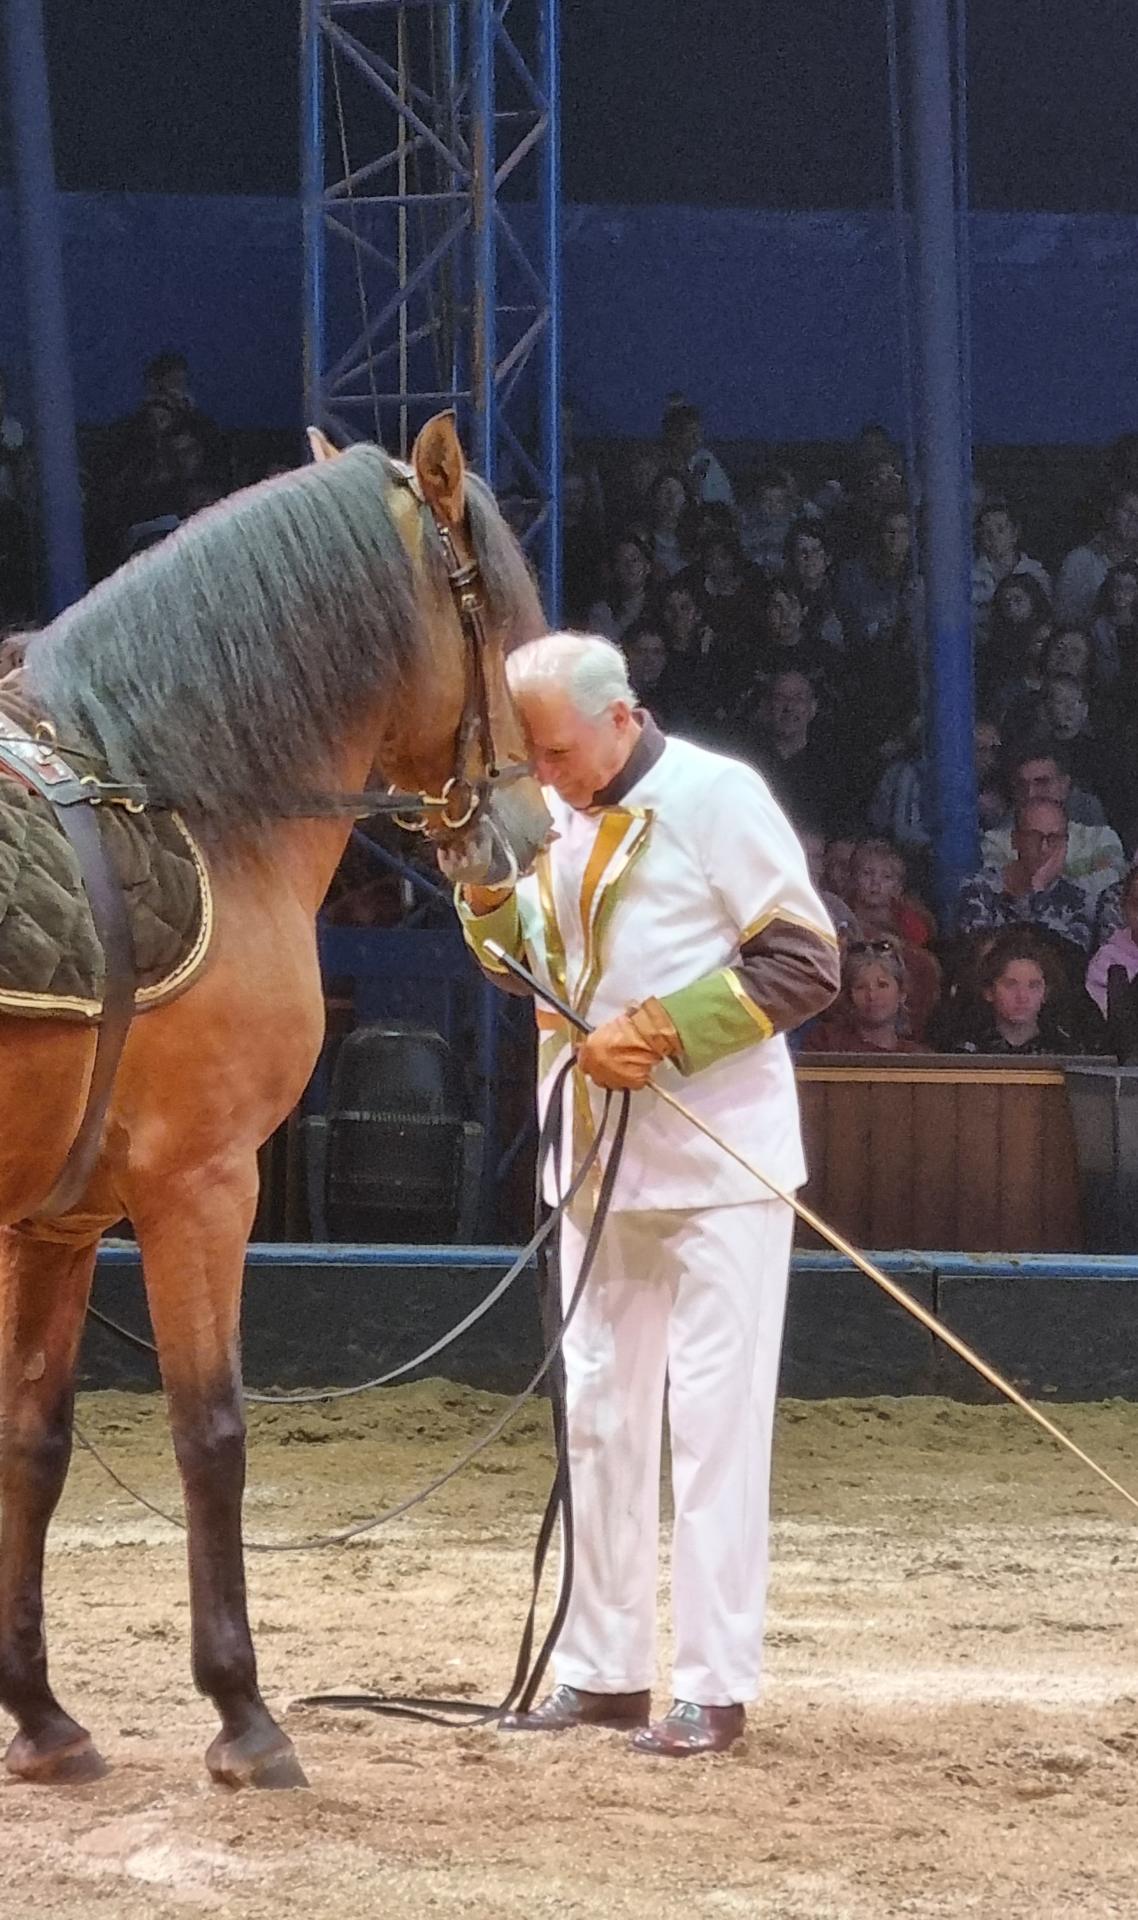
(590, 670)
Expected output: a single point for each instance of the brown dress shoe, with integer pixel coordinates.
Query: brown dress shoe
(571, 1707)
(687, 1728)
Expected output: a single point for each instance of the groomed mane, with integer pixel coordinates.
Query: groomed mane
(223, 667)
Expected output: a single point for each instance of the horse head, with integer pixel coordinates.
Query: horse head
(459, 739)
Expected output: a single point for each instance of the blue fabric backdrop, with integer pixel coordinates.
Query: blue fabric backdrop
(783, 325)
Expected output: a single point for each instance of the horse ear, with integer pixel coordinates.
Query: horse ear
(440, 468)
(321, 446)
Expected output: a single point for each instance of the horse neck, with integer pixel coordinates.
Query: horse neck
(307, 852)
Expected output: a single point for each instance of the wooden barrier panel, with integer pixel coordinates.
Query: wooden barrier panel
(967, 1153)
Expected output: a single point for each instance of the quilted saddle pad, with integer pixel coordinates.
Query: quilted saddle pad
(51, 960)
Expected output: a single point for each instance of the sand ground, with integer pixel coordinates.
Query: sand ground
(950, 1725)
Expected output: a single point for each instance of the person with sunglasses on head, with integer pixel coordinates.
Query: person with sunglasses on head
(871, 1015)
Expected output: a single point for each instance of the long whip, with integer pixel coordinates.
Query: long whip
(836, 1240)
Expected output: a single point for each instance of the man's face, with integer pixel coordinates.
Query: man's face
(1040, 832)
(1124, 520)
(1041, 780)
(998, 533)
(792, 705)
(647, 658)
(573, 753)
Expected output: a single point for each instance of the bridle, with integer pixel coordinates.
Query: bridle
(463, 794)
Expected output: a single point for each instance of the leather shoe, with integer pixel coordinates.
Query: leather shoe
(571, 1707)
(687, 1728)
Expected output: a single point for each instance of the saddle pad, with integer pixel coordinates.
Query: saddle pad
(51, 961)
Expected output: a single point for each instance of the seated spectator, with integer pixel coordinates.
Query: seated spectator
(765, 521)
(1067, 723)
(582, 470)
(876, 588)
(694, 688)
(1085, 568)
(808, 571)
(630, 565)
(1020, 1005)
(999, 556)
(843, 916)
(874, 484)
(1069, 651)
(884, 910)
(991, 796)
(1114, 627)
(667, 507)
(1032, 888)
(783, 640)
(896, 810)
(724, 588)
(1120, 947)
(1094, 854)
(870, 1015)
(794, 758)
(580, 549)
(1011, 669)
(837, 866)
(683, 451)
(646, 651)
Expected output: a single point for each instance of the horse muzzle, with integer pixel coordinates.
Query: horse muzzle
(502, 840)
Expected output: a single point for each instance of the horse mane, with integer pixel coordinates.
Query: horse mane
(222, 667)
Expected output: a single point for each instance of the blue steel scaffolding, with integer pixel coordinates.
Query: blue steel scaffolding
(431, 188)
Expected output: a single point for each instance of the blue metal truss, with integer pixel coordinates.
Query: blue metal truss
(431, 188)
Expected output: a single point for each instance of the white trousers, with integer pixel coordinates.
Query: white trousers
(696, 1299)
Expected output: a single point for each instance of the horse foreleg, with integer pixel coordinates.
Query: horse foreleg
(193, 1230)
(45, 1280)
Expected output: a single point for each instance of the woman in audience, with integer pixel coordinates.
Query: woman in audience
(1120, 948)
(1114, 626)
(630, 566)
(807, 571)
(1012, 671)
(667, 507)
(1018, 1004)
(870, 1016)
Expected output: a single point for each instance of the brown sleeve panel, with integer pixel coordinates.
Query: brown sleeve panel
(791, 972)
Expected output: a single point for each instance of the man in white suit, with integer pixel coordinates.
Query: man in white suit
(673, 910)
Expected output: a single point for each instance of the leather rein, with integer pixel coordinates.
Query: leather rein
(34, 758)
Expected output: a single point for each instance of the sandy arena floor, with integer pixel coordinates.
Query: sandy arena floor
(950, 1725)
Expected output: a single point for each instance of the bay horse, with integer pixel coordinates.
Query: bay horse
(284, 642)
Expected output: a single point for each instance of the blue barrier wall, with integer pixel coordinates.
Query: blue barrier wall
(783, 325)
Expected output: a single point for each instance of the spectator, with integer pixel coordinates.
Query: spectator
(783, 641)
(1120, 948)
(668, 504)
(684, 452)
(580, 468)
(896, 810)
(1069, 651)
(991, 798)
(1019, 626)
(630, 565)
(1067, 719)
(1032, 888)
(765, 524)
(807, 570)
(1114, 628)
(1085, 568)
(843, 916)
(999, 556)
(871, 1014)
(646, 651)
(1094, 855)
(693, 688)
(875, 588)
(580, 548)
(1020, 1004)
(795, 762)
(884, 910)
(724, 588)
(837, 867)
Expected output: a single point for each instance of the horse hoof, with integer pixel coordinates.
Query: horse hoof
(240, 1763)
(72, 1763)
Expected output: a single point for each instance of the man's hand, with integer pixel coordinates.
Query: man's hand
(622, 1052)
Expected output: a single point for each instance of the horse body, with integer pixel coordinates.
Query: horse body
(204, 1080)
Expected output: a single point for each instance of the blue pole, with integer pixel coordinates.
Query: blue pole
(312, 205)
(549, 214)
(942, 431)
(49, 357)
(483, 197)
